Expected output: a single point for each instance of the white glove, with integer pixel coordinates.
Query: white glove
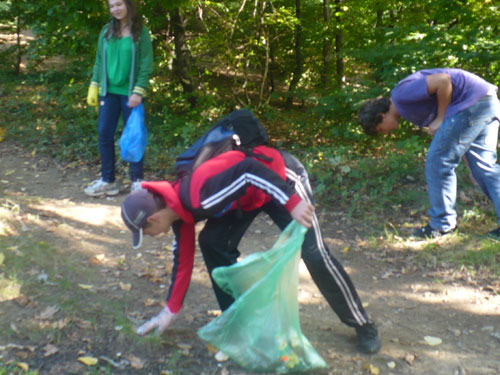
(160, 322)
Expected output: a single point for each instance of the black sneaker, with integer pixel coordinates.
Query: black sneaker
(368, 340)
(495, 234)
(428, 232)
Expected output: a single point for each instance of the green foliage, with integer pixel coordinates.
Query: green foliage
(413, 35)
(13, 369)
(244, 55)
(369, 185)
(486, 255)
(46, 111)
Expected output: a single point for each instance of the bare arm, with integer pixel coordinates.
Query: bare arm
(440, 85)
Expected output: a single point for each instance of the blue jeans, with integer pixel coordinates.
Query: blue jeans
(110, 107)
(472, 132)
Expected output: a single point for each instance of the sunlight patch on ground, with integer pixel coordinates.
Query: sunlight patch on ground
(459, 298)
(5, 217)
(92, 214)
(9, 289)
(464, 299)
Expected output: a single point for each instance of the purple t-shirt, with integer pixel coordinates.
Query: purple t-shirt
(414, 104)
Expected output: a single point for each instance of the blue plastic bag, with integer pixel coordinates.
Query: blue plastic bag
(134, 138)
(261, 330)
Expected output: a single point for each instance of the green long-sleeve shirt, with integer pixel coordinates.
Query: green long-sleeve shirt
(141, 65)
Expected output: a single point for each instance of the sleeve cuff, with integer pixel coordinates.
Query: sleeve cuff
(139, 91)
(169, 310)
(292, 202)
(172, 309)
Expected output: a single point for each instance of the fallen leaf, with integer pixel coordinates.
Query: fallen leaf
(60, 324)
(464, 198)
(49, 350)
(212, 349)
(42, 277)
(22, 300)
(89, 361)
(121, 365)
(410, 358)
(85, 286)
(14, 328)
(22, 355)
(391, 365)
(371, 369)
(98, 259)
(185, 348)
(150, 302)
(48, 313)
(387, 274)
(433, 341)
(125, 287)
(135, 362)
(221, 357)
(23, 365)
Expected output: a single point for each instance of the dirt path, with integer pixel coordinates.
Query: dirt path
(407, 300)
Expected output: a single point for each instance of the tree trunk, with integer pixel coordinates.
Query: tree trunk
(297, 74)
(17, 68)
(183, 62)
(339, 42)
(263, 32)
(327, 46)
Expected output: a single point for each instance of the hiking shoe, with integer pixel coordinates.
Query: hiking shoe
(99, 188)
(368, 340)
(495, 234)
(428, 232)
(136, 185)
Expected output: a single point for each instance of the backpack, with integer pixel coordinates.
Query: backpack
(240, 130)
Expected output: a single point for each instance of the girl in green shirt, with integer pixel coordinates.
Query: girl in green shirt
(123, 64)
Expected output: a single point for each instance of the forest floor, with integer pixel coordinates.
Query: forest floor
(72, 286)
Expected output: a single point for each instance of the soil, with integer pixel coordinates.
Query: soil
(408, 300)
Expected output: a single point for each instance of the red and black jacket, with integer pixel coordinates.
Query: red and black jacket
(229, 181)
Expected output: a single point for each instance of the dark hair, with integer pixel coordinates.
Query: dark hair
(370, 113)
(159, 203)
(135, 23)
(159, 200)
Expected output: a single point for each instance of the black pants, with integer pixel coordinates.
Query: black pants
(220, 238)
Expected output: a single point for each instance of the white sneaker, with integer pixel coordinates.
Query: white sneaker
(136, 185)
(99, 188)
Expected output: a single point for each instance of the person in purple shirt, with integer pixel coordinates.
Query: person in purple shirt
(462, 112)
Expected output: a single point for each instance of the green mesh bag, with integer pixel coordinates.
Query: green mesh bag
(261, 330)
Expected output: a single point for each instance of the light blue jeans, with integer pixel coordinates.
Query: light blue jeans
(472, 132)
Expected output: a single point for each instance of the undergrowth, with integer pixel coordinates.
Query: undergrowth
(374, 180)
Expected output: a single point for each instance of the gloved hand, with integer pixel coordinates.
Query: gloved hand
(93, 96)
(160, 322)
